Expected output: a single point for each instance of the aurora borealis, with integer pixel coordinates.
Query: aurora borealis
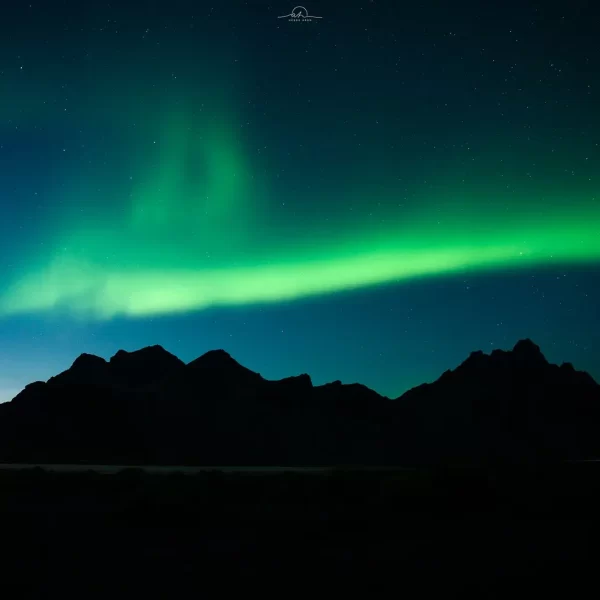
(167, 172)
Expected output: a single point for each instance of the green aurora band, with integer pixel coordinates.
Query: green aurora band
(196, 234)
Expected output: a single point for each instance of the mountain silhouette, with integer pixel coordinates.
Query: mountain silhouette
(506, 406)
(149, 407)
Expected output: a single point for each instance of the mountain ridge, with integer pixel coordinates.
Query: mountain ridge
(149, 407)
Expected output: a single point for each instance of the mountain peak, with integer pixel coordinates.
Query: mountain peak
(155, 351)
(476, 359)
(86, 368)
(527, 351)
(86, 360)
(301, 382)
(219, 361)
(149, 354)
(145, 365)
(214, 359)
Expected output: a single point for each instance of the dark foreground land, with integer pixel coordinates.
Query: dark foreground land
(428, 533)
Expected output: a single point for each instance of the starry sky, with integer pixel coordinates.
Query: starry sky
(366, 196)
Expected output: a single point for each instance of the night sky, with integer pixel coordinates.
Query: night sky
(367, 196)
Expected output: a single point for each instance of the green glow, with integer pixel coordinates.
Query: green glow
(104, 292)
(196, 235)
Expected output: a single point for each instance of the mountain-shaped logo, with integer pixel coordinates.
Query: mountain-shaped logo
(299, 13)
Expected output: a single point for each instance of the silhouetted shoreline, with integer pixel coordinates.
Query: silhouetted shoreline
(169, 469)
(433, 531)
